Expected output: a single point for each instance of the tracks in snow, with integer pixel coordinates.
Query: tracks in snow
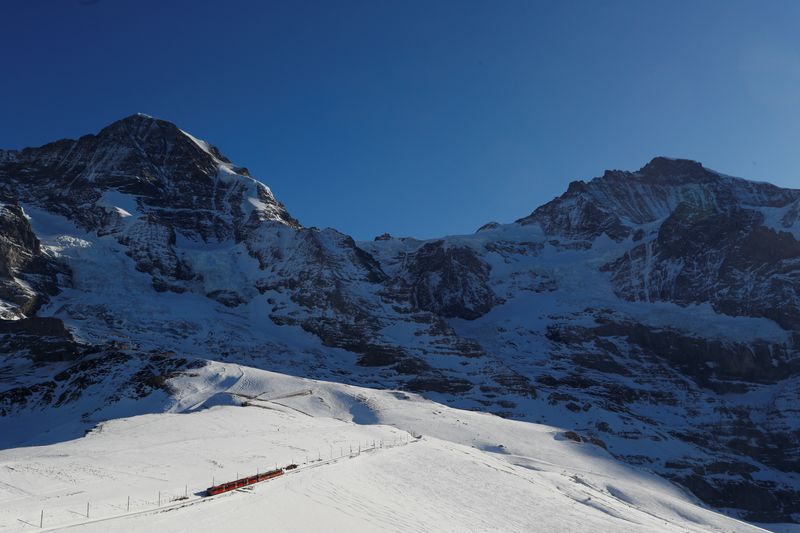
(199, 500)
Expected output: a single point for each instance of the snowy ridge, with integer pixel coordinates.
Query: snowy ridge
(259, 197)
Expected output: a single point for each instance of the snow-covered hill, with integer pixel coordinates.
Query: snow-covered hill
(654, 314)
(360, 469)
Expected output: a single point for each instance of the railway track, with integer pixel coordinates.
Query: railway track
(199, 498)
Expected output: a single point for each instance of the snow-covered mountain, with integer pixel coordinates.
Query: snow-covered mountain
(653, 314)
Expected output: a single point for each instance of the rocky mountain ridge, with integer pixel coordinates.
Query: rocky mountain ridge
(652, 313)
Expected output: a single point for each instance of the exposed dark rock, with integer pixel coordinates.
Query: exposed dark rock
(449, 385)
(727, 258)
(576, 215)
(40, 339)
(28, 276)
(699, 357)
(451, 281)
(762, 504)
(575, 437)
(488, 226)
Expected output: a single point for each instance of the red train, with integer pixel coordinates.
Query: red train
(243, 482)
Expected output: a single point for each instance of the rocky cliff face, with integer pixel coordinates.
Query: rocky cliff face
(653, 313)
(451, 281)
(28, 275)
(724, 256)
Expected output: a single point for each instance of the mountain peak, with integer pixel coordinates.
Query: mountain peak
(605, 204)
(665, 167)
(160, 165)
(140, 124)
(157, 137)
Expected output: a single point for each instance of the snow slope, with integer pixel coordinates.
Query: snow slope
(509, 476)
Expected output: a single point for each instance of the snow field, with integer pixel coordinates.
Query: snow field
(469, 472)
(168, 456)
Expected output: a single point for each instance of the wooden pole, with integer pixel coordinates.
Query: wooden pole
(87, 509)
(129, 503)
(41, 520)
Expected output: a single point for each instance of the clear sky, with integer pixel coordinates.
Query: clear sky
(425, 117)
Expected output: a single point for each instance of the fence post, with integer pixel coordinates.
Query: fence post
(129, 504)
(159, 498)
(87, 509)
(41, 520)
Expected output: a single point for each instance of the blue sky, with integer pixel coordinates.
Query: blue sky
(418, 118)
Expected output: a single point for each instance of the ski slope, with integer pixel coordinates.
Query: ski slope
(468, 472)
